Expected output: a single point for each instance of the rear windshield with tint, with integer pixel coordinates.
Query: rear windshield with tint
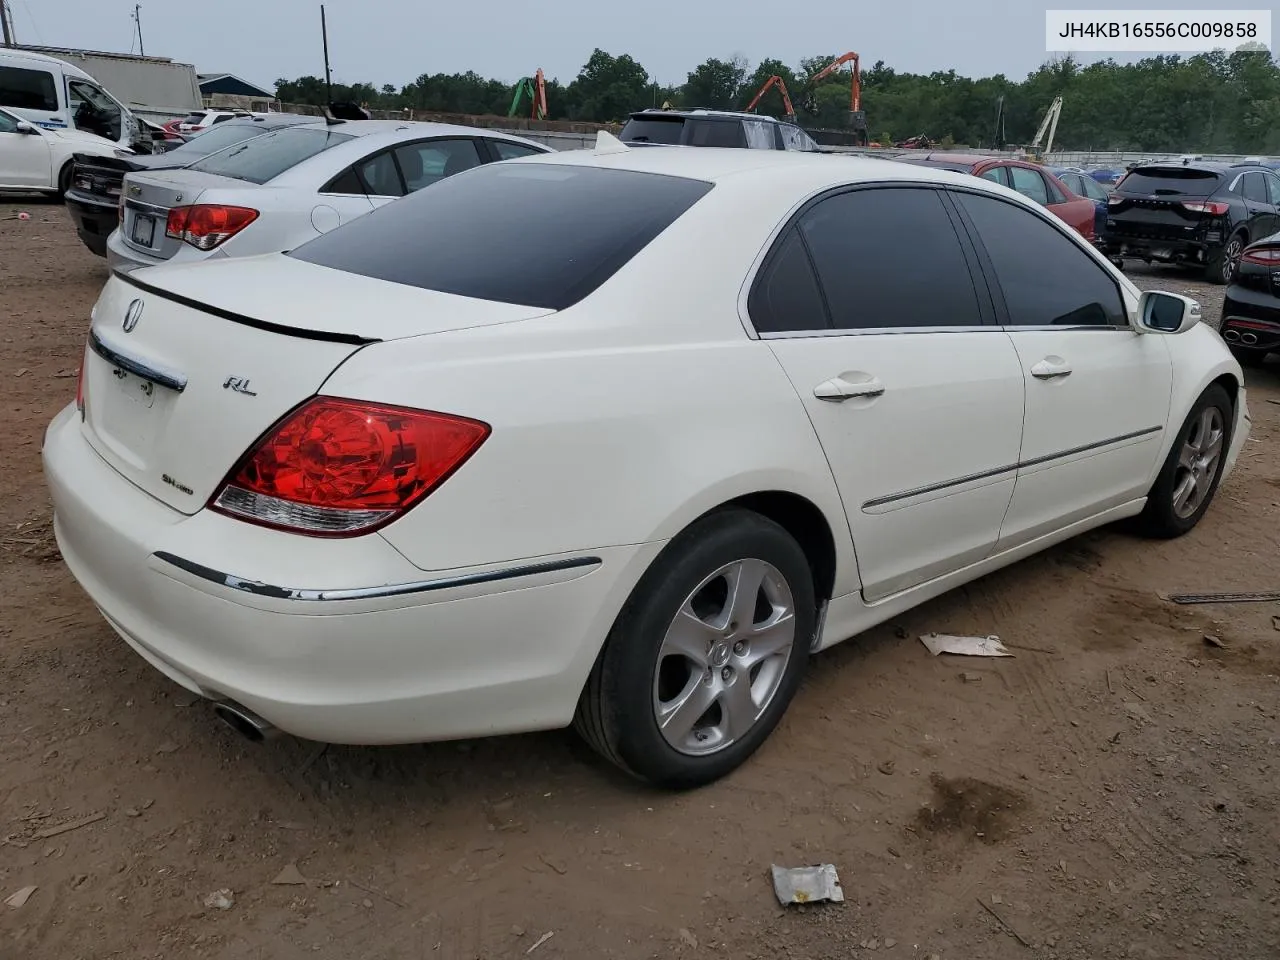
(265, 158)
(1172, 182)
(653, 131)
(538, 234)
(219, 138)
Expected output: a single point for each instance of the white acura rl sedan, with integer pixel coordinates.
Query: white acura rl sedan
(615, 438)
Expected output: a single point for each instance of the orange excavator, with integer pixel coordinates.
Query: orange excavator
(857, 118)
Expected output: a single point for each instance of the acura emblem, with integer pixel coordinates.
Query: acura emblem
(132, 315)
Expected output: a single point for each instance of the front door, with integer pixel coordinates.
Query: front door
(1097, 392)
(25, 160)
(868, 300)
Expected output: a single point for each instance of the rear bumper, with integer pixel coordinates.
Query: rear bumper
(94, 218)
(1251, 319)
(1118, 244)
(341, 641)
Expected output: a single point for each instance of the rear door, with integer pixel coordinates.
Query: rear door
(1097, 392)
(916, 399)
(1259, 205)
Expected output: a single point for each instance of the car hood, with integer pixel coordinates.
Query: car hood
(88, 142)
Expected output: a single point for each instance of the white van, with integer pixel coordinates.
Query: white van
(55, 95)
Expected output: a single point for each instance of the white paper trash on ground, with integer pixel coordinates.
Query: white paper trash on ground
(807, 884)
(965, 646)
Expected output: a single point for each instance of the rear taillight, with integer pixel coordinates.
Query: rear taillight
(205, 225)
(337, 467)
(1263, 256)
(1213, 208)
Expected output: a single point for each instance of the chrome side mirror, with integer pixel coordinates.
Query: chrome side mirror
(1160, 312)
(24, 127)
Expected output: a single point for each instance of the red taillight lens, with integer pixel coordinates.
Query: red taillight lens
(206, 225)
(1213, 208)
(1263, 256)
(342, 467)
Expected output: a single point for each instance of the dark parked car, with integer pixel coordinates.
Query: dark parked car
(94, 197)
(1195, 213)
(1251, 308)
(713, 128)
(1083, 185)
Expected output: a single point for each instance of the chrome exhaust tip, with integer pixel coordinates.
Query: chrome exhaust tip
(1249, 338)
(244, 722)
(1231, 335)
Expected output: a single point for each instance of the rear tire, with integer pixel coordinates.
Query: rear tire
(689, 682)
(1189, 478)
(1222, 265)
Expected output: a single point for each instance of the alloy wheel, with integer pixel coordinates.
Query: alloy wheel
(723, 657)
(1231, 258)
(1198, 463)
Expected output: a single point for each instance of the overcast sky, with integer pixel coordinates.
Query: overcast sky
(394, 41)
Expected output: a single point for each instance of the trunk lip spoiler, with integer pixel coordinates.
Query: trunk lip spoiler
(353, 339)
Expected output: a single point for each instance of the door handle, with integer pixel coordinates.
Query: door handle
(837, 389)
(1051, 368)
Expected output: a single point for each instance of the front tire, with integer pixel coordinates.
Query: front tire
(64, 180)
(706, 654)
(1189, 478)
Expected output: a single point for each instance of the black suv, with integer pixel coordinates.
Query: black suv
(94, 198)
(1193, 212)
(714, 128)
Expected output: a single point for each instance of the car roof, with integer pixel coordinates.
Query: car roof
(1202, 166)
(798, 168)
(650, 113)
(44, 60)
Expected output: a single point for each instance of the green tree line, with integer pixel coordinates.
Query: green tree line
(1214, 103)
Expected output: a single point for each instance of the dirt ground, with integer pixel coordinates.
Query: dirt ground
(1109, 792)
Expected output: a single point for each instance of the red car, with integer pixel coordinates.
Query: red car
(1027, 178)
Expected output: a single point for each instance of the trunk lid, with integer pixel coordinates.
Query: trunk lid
(176, 399)
(1149, 203)
(148, 198)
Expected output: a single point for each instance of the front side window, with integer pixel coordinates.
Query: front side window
(1273, 187)
(266, 157)
(430, 161)
(1030, 184)
(890, 257)
(28, 89)
(93, 111)
(1046, 279)
(539, 234)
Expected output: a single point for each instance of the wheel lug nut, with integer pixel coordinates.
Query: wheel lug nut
(739, 648)
(726, 674)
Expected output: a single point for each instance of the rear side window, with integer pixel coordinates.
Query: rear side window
(786, 296)
(890, 258)
(1047, 280)
(1030, 184)
(1170, 182)
(507, 150)
(1255, 188)
(717, 133)
(380, 174)
(28, 89)
(539, 234)
(266, 157)
(653, 131)
(998, 175)
(427, 162)
(1273, 185)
